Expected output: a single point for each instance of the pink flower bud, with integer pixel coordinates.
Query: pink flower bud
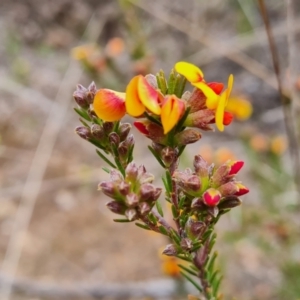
(211, 197)
(235, 167)
(242, 189)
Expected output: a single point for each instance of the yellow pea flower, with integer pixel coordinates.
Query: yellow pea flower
(141, 95)
(109, 105)
(171, 111)
(216, 102)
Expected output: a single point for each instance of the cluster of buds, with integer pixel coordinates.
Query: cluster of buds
(113, 138)
(209, 188)
(133, 194)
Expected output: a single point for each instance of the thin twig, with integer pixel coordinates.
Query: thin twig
(286, 101)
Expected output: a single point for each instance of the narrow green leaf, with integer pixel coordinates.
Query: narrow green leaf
(159, 208)
(211, 262)
(196, 285)
(152, 218)
(181, 201)
(96, 143)
(156, 156)
(106, 170)
(181, 87)
(175, 237)
(152, 119)
(142, 226)
(121, 220)
(213, 276)
(181, 149)
(166, 187)
(174, 212)
(169, 180)
(158, 81)
(130, 155)
(184, 258)
(82, 113)
(216, 286)
(105, 159)
(84, 123)
(171, 82)
(163, 230)
(191, 272)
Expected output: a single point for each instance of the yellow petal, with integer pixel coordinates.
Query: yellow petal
(109, 105)
(191, 72)
(220, 111)
(212, 98)
(148, 95)
(171, 112)
(230, 85)
(134, 106)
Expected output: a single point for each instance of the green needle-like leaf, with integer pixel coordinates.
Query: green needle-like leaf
(156, 156)
(159, 208)
(196, 285)
(142, 226)
(105, 159)
(191, 272)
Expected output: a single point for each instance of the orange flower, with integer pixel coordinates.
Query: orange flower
(140, 95)
(109, 105)
(171, 112)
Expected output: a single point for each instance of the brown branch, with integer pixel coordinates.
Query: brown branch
(286, 101)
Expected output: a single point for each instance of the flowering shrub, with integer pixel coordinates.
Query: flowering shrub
(171, 118)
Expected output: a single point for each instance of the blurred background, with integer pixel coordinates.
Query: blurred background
(57, 238)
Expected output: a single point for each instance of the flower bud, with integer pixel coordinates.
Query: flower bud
(108, 127)
(151, 130)
(83, 132)
(220, 176)
(97, 131)
(201, 166)
(235, 167)
(114, 139)
(124, 130)
(147, 191)
(196, 100)
(229, 188)
(193, 183)
(242, 189)
(186, 244)
(108, 188)
(198, 204)
(116, 207)
(132, 200)
(168, 155)
(131, 214)
(116, 176)
(123, 150)
(230, 202)
(188, 136)
(91, 92)
(80, 96)
(211, 197)
(200, 119)
(144, 208)
(170, 250)
(131, 172)
(146, 178)
(123, 188)
(194, 229)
